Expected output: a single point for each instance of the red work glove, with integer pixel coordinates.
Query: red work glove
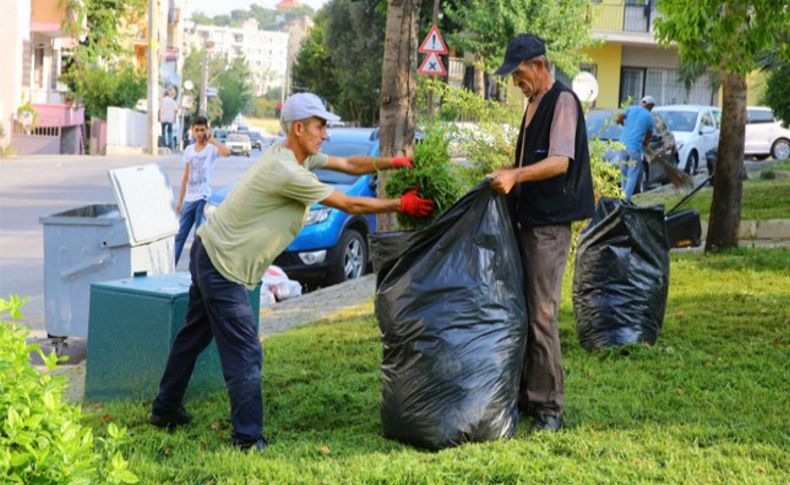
(401, 162)
(414, 205)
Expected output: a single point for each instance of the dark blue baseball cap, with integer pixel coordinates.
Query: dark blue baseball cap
(523, 47)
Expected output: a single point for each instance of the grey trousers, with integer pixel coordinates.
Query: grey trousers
(545, 253)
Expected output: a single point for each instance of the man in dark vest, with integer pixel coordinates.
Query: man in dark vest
(549, 187)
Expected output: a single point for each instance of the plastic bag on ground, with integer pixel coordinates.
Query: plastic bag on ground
(621, 278)
(276, 282)
(452, 317)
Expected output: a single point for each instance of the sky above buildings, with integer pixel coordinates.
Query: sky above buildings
(217, 7)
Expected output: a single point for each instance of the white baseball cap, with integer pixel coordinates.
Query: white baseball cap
(301, 106)
(648, 100)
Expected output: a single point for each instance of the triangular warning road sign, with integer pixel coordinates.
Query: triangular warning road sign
(433, 42)
(432, 65)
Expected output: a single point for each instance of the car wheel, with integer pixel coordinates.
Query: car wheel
(780, 150)
(352, 259)
(691, 163)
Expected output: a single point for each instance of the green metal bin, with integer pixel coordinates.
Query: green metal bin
(132, 325)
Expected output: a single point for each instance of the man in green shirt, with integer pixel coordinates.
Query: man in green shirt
(232, 250)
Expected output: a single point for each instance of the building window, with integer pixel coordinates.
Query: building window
(238, 38)
(664, 85)
(632, 84)
(38, 67)
(53, 70)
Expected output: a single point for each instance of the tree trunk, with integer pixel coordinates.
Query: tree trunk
(480, 77)
(725, 210)
(398, 89)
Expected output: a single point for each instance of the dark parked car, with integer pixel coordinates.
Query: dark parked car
(256, 139)
(601, 125)
(220, 135)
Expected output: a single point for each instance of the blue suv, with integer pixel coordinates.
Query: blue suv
(332, 246)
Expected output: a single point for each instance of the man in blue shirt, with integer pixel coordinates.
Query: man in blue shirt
(638, 125)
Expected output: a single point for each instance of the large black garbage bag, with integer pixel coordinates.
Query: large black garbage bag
(452, 317)
(385, 250)
(621, 277)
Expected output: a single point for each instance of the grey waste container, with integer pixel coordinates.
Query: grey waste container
(103, 242)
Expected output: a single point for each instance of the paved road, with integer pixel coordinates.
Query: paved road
(31, 187)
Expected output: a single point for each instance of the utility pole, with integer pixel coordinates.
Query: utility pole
(153, 77)
(435, 20)
(203, 109)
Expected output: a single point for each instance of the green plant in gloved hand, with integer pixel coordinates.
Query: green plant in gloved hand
(432, 173)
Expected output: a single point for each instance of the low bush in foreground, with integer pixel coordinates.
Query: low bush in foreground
(707, 404)
(41, 437)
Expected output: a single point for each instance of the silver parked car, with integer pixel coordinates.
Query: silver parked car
(239, 144)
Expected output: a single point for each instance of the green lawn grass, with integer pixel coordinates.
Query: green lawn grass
(762, 199)
(707, 404)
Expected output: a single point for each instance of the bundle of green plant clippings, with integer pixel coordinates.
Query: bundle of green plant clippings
(432, 173)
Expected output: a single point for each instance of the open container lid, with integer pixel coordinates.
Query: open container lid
(145, 200)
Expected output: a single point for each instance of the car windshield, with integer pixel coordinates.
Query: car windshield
(237, 138)
(341, 149)
(680, 120)
(601, 124)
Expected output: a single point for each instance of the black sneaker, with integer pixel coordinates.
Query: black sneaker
(257, 446)
(179, 418)
(547, 422)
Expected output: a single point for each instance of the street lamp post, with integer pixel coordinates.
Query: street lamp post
(153, 76)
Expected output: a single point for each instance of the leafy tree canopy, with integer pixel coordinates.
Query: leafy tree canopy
(728, 34)
(232, 78)
(487, 27)
(341, 58)
(267, 18)
(777, 92)
(99, 72)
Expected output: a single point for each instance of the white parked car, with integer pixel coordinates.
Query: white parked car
(239, 144)
(696, 130)
(765, 135)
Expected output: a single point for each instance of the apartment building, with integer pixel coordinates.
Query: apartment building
(630, 63)
(36, 114)
(266, 52)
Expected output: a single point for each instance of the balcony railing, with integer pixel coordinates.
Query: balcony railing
(637, 17)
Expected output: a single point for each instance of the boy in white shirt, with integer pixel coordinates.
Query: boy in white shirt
(199, 159)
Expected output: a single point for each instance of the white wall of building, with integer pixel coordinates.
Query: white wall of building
(126, 131)
(266, 52)
(14, 32)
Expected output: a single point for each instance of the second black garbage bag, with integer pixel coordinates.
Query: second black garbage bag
(452, 317)
(621, 278)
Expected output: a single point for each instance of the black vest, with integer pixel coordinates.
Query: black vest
(558, 200)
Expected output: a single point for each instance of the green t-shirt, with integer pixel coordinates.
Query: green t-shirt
(262, 214)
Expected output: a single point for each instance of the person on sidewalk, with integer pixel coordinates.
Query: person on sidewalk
(232, 250)
(638, 125)
(549, 187)
(199, 159)
(168, 109)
